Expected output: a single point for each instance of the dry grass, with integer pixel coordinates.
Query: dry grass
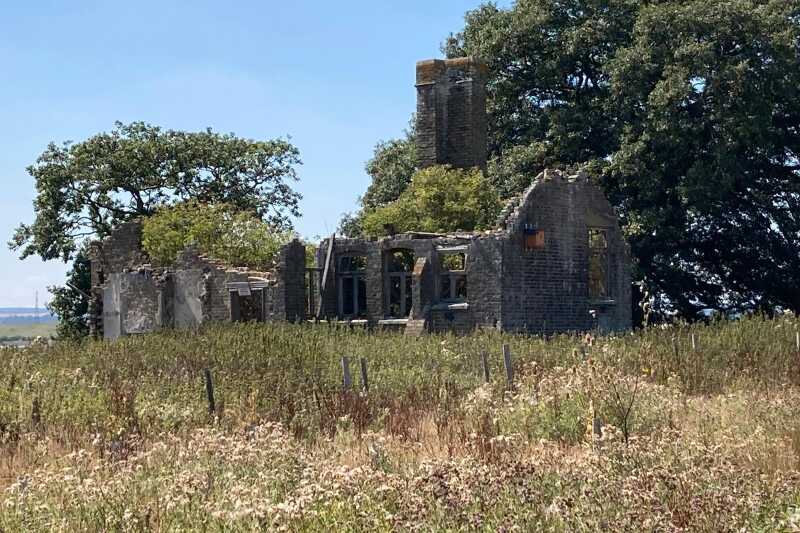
(704, 440)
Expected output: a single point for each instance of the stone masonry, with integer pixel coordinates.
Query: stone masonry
(556, 262)
(451, 113)
(131, 296)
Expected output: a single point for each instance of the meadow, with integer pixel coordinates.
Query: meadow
(675, 428)
(23, 333)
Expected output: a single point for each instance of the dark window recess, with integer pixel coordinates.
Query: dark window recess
(452, 276)
(352, 286)
(598, 264)
(247, 308)
(399, 268)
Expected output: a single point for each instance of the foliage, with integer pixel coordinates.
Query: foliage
(87, 188)
(123, 438)
(70, 303)
(439, 199)
(686, 112)
(219, 230)
(311, 252)
(707, 174)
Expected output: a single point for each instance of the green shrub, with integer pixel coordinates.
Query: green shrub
(220, 231)
(439, 199)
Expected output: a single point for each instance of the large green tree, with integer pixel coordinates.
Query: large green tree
(687, 113)
(706, 175)
(218, 230)
(84, 189)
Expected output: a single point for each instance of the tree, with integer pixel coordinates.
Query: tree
(220, 231)
(85, 189)
(438, 199)
(70, 303)
(686, 113)
(707, 173)
(549, 83)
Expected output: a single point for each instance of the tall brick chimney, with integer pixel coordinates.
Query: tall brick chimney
(451, 112)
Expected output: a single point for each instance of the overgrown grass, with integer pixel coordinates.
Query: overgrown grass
(118, 435)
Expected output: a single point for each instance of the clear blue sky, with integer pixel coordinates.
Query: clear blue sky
(335, 76)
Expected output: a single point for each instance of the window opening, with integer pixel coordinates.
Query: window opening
(598, 264)
(247, 306)
(452, 276)
(352, 286)
(399, 269)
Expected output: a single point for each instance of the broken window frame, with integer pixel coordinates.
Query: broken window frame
(599, 264)
(248, 306)
(356, 274)
(454, 280)
(401, 279)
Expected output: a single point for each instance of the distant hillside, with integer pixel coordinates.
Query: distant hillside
(25, 315)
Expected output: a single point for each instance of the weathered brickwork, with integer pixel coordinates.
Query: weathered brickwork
(451, 113)
(547, 290)
(289, 293)
(136, 298)
(118, 252)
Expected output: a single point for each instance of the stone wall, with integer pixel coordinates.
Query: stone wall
(290, 291)
(131, 297)
(547, 289)
(120, 251)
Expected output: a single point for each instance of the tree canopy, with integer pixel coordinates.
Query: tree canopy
(84, 189)
(438, 199)
(687, 113)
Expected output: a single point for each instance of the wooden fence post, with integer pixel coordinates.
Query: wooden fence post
(508, 364)
(347, 381)
(694, 345)
(485, 366)
(36, 412)
(212, 406)
(364, 378)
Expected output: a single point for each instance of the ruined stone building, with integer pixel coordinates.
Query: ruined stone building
(556, 261)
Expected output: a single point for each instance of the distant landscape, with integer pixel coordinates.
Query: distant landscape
(20, 324)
